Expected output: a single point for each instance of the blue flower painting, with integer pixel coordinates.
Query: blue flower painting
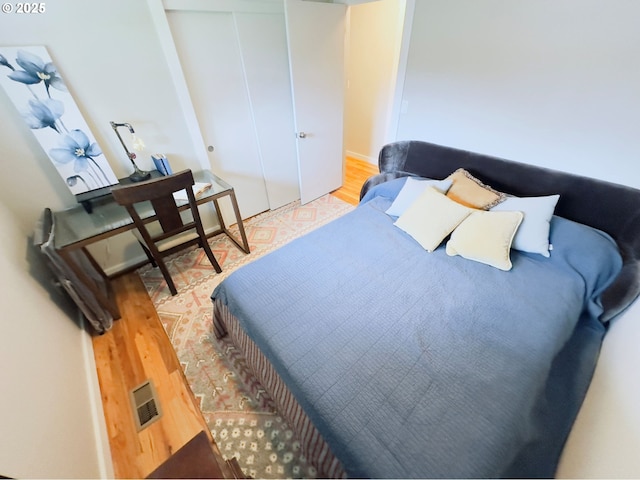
(40, 94)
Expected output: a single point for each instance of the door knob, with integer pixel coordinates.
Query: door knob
(301, 135)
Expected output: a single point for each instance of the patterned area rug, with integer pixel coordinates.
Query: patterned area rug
(240, 415)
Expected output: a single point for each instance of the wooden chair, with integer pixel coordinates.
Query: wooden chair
(170, 230)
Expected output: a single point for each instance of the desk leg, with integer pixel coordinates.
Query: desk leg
(234, 203)
(105, 299)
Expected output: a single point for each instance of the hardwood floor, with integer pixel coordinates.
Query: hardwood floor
(134, 350)
(356, 173)
(137, 348)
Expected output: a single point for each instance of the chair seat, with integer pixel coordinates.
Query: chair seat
(154, 229)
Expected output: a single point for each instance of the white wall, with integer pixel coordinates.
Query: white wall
(50, 423)
(375, 31)
(547, 82)
(553, 83)
(605, 438)
(109, 55)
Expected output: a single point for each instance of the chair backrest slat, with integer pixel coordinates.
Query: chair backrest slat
(167, 213)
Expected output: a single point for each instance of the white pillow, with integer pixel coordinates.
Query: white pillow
(486, 237)
(431, 218)
(533, 234)
(411, 190)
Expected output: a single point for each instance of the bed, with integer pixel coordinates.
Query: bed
(397, 355)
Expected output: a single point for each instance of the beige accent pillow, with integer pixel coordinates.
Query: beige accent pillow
(486, 237)
(471, 192)
(431, 217)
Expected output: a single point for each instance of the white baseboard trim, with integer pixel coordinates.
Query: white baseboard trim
(125, 265)
(103, 449)
(359, 156)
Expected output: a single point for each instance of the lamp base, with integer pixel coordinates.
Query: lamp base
(139, 175)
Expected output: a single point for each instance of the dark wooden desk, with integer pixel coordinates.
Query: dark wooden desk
(75, 228)
(197, 460)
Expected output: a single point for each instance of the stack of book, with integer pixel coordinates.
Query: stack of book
(161, 163)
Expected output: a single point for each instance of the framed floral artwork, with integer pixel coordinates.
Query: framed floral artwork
(37, 89)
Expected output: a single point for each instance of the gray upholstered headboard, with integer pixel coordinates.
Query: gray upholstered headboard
(612, 208)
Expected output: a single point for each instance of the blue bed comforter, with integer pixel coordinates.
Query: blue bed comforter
(416, 364)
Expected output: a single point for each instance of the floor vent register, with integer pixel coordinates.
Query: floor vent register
(145, 406)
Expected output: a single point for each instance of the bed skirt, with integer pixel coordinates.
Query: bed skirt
(312, 444)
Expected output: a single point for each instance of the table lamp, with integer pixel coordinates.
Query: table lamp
(137, 175)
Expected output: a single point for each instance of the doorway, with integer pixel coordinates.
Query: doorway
(374, 39)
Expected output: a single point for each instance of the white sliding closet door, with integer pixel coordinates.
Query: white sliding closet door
(263, 42)
(236, 69)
